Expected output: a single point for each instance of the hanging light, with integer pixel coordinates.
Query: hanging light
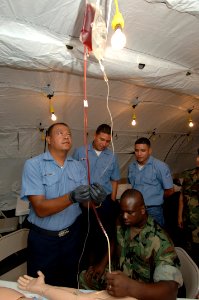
(133, 122)
(134, 103)
(118, 40)
(53, 116)
(190, 121)
(52, 111)
(50, 93)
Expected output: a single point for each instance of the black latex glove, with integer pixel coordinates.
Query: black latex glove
(97, 193)
(80, 194)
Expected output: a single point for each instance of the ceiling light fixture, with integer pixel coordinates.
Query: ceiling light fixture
(53, 116)
(50, 95)
(141, 66)
(118, 40)
(190, 121)
(133, 123)
(188, 73)
(134, 103)
(69, 47)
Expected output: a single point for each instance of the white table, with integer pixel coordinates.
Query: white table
(22, 209)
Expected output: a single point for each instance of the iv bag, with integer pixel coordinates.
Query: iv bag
(99, 35)
(86, 31)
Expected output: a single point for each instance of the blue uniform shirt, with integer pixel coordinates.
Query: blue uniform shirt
(43, 176)
(103, 168)
(151, 180)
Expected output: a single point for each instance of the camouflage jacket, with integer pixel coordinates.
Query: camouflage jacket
(190, 189)
(149, 256)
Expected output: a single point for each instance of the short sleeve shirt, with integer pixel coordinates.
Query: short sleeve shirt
(103, 168)
(151, 180)
(43, 176)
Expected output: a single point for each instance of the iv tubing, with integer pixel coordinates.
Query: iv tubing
(86, 150)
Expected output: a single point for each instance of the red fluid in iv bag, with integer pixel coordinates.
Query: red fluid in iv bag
(86, 31)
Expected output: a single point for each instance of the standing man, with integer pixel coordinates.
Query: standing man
(104, 169)
(151, 177)
(55, 184)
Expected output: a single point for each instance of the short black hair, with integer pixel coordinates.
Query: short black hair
(133, 193)
(105, 128)
(49, 130)
(143, 140)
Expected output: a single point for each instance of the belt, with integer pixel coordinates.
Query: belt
(149, 206)
(59, 233)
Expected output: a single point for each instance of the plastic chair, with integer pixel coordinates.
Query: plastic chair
(10, 244)
(190, 273)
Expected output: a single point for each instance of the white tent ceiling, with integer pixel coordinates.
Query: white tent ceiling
(163, 35)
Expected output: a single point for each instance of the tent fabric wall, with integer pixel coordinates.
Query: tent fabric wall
(34, 53)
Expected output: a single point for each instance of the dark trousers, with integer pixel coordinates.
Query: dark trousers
(57, 257)
(156, 212)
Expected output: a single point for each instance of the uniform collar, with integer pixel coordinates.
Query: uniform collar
(149, 161)
(48, 156)
(90, 148)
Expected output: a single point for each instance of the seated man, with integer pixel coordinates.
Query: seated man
(147, 262)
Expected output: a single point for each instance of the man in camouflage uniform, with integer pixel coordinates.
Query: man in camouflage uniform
(190, 190)
(145, 255)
